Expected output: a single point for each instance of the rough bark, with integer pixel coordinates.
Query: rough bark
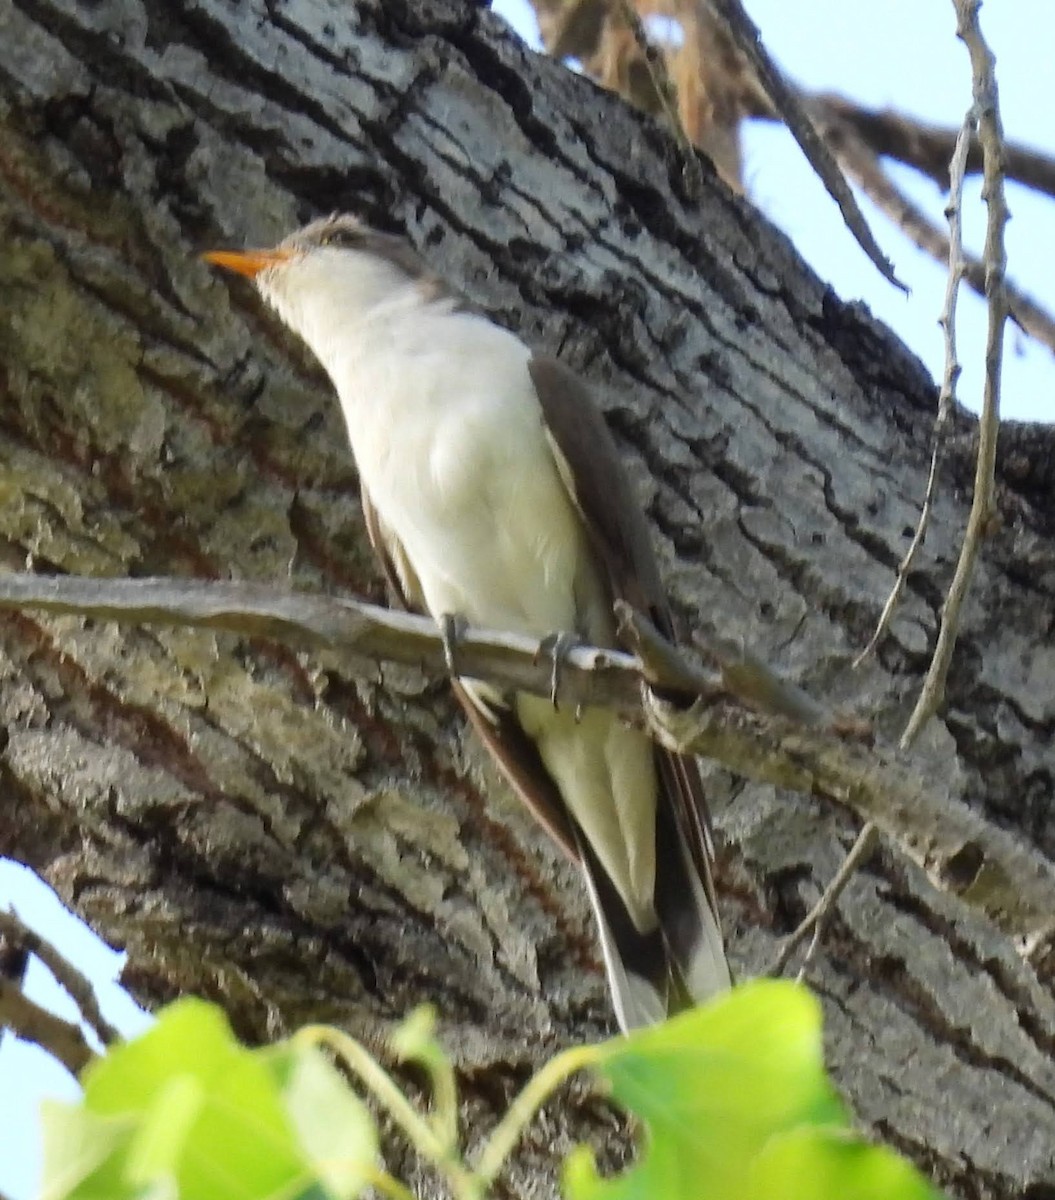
(299, 841)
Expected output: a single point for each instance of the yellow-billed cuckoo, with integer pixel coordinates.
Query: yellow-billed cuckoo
(493, 492)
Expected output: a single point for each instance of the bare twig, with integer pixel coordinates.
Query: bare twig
(818, 914)
(786, 100)
(61, 1039)
(1002, 877)
(863, 166)
(930, 148)
(66, 974)
(743, 675)
(950, 375)
(668, 96)
(991, 135)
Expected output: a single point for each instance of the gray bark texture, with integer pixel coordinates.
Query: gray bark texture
(302, 840)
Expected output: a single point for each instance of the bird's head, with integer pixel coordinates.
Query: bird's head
(326, 277)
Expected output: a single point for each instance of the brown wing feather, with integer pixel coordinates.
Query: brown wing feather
(518, 757)
(620, 538)
(600, 489)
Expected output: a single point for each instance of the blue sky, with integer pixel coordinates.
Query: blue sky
(900, 53)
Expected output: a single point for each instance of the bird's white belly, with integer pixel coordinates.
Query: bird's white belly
(470, 488)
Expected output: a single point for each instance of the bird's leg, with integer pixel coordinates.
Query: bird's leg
(452, 630)
(556, 647)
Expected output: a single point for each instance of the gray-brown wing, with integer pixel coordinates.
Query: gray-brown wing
(596, 479)
(601, 491)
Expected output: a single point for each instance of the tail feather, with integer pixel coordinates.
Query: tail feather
(680, 961)
(636, 962)
(688, 915)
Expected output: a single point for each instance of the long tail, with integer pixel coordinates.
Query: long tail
(680, 961)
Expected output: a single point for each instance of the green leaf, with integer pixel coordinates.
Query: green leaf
(738, 1107)
(84, 1154)
(415, 1039)
(335, 1128)
(827, 1164)
(714, 1085)
(209, 1113)
(159, 1142)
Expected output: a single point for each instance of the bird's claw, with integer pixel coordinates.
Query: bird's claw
(556, 647)
(452, 630)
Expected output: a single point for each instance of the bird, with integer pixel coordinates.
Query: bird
(494, 495)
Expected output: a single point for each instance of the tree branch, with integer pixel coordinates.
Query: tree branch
(985, 866)
(929, 148)
(76, 983)
(589, 675)
(792, 743)
(861, 162)
(61, 1039)
(787, 102)
(986, 110)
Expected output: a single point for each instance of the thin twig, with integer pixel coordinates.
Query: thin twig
(818, 914)
(929, 148)
(863, 166)
(63, 1040)
(950, 375)
(991, 136)
(66, 974)
(668, 97)
(785, 98)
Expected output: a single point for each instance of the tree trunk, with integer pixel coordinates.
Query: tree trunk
(300, 840)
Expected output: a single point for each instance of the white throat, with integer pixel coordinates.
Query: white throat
(342, 303)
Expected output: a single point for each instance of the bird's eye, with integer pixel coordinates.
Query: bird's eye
(344, 239)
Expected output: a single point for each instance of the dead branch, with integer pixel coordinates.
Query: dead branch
(61, 1039)
(75, 982)
(986, 867)
(786, 100)
(588, 675)
(986, 110)
(1006, 879)
(929, 148)
(862, 164)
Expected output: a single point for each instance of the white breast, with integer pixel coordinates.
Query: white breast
(448, 436)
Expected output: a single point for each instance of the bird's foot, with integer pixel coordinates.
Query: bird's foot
(452, 630)
(556, 647)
